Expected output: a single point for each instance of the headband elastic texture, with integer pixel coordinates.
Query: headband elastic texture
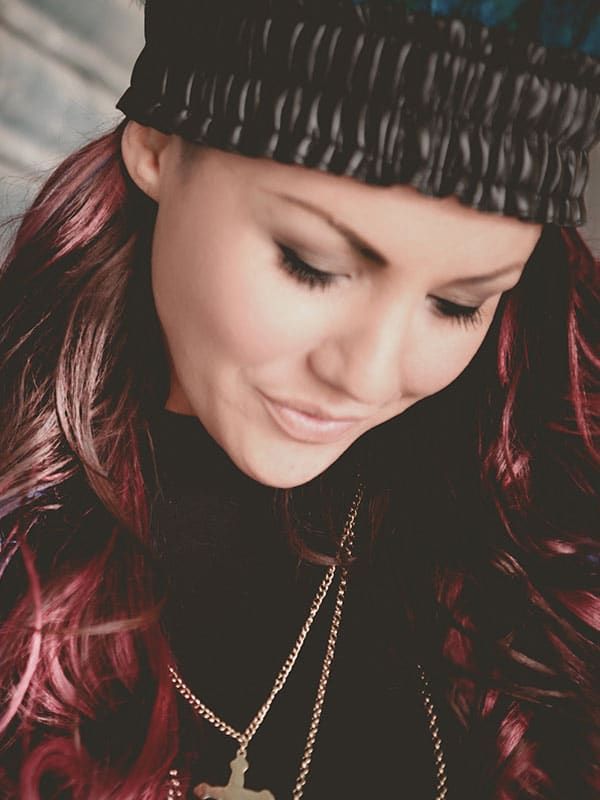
(386, 92)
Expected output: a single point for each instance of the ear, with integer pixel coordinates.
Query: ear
(142, 149)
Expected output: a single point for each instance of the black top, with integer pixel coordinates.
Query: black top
(238, 595)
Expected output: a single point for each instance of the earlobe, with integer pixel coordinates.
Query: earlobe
(141, 148)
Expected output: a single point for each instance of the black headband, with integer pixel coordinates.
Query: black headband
(384, 93)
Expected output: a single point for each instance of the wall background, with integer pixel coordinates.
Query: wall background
(63, 66)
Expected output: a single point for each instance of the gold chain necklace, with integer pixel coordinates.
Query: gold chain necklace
(235, 789)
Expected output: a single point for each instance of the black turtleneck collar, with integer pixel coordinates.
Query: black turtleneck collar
(189, 459)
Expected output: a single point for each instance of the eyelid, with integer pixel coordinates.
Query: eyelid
(336, 265)
(465, 315)
(304, 272)
(468, 306)
(290, 254)
(297, 256)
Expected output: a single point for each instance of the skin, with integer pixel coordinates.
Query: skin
(238, 326)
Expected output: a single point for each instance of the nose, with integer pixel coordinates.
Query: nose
(363, 357)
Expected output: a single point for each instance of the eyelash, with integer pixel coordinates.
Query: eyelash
(291, 262)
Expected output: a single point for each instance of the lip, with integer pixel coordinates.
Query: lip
(308, 427)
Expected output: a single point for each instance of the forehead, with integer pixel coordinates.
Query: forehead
(399, 219)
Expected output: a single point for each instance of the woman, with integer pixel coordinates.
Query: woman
(299, 459)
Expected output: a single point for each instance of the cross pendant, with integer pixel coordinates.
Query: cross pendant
(235, 789)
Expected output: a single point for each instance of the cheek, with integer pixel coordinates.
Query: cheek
(220, 298)
(439, 359)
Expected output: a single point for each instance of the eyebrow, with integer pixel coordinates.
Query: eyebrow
(489, 277)
(364, 249)
(357, 243)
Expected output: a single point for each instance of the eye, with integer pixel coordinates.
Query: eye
(463, 315)
(291, 262)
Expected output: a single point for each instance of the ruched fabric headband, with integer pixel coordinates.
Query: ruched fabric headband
(497, 103)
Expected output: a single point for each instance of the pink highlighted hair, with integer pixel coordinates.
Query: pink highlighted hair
(501, 491)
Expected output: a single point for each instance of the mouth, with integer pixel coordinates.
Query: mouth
(305, 427)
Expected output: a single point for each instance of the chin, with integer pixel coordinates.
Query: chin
(279, 481)
(286, 478)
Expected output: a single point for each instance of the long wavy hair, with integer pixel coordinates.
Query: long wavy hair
(486, 491)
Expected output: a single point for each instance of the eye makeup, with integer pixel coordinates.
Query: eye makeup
(314, 278)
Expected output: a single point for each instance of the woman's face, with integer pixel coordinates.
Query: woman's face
(281, 289)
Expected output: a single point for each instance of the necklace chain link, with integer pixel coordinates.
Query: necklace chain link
(346, 544)
(441, 790)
